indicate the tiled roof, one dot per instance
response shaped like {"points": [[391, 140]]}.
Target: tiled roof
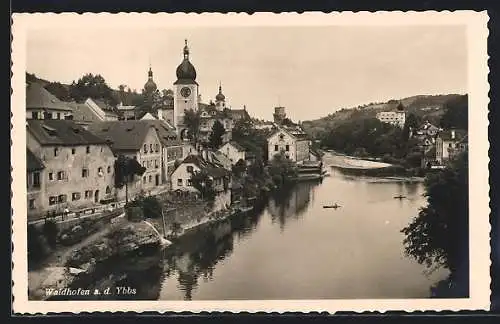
{"points": [[239, 114], [32, 162], [38, 97], [210, 168], [238, 146], [61, 132], [122, 135], [82, 112]]}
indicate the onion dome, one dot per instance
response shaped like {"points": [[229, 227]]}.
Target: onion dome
{"points": [[220, 96], [150, 85], [186, 73]]}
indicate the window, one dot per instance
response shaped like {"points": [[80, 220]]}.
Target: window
{"points": [[88, 194], [108, 190], [56, 151], [282, 136], [36, 179], [51, 176], [143, 164], [144, 179], [149, 163], [73, 150], [189, 183], [151, 148], [76, 196], [85, 173], [31, 204], [276, 148], [88, 149], [99, 171], [34, 115], [287, 148], [109, 169], [156, 164], [58, 115], [61, 199], [157, 147], [150, 178], [61, 175], [52, 200], [145, 148], [189, 168], [179, 182]]}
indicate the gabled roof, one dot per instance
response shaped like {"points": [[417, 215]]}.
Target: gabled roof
{"points": [[122, 135], [38, 97], [239, 114], [237, 146], [61, 132], [82, 112], [210, 168], [280, 130], [32, 162]]}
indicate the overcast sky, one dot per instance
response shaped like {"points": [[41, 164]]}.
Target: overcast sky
{"points": [[312, 71]]}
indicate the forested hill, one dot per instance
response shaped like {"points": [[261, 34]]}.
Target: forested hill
{"points": [[428, 107]]}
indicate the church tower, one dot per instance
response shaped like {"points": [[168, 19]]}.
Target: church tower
{"points": [[185, 92], [220, 100]]}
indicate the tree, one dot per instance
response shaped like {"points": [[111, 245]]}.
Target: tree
{"points": [[215, 138], [456, 113], [439, 235], [239, 168], [58, 90], [282, 170], [125, 170], [411, 123], [92, 86], [204, 184], [192, 120]]}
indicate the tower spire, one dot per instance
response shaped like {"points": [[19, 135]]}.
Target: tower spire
{"points": [[220, 87], [186, 50]]}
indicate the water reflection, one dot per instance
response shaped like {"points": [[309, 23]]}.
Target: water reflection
{"points": [[291, 202], [357, 250]]}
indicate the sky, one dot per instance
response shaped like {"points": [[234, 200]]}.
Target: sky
{"points": [[311, 70]]}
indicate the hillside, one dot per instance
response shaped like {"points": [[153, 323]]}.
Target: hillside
{"points": [[62, 91], [425, 106]]}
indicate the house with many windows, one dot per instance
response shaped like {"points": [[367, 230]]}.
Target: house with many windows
{"points": [[234, 151], [78, 166], [137, 140]]}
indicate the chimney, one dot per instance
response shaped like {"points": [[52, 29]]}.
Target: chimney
{"points": [[452, 134]]}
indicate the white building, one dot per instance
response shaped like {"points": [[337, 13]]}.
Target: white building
{"points": [[220, 177], [41, 104], [234, 151], [294, 147], [450, 143], [396, 118]]}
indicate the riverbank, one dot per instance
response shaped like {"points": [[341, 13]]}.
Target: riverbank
{"points": [[354, 166]]}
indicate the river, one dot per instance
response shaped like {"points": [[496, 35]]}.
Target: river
{"points": [[293, 248]]}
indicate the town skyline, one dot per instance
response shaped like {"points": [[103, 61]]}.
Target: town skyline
{"points": [[426, 60]]}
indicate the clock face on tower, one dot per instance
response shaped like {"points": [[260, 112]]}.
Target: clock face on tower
{"points": [[185, 92]]}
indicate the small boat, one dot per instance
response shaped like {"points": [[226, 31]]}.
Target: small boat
{"points": [[399, 197], [332, 206]]}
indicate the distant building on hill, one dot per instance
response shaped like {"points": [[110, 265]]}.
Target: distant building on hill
{"points": [[396, 118], [279, 114]]}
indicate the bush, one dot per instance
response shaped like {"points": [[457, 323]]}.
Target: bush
{"points": [[50, 230], [37, 244], [151, 207], [134, 213]]}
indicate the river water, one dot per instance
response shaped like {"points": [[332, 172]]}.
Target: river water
{"points": [[291, 247]]}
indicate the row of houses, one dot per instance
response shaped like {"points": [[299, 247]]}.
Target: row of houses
{"points": [[73, 168]]}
